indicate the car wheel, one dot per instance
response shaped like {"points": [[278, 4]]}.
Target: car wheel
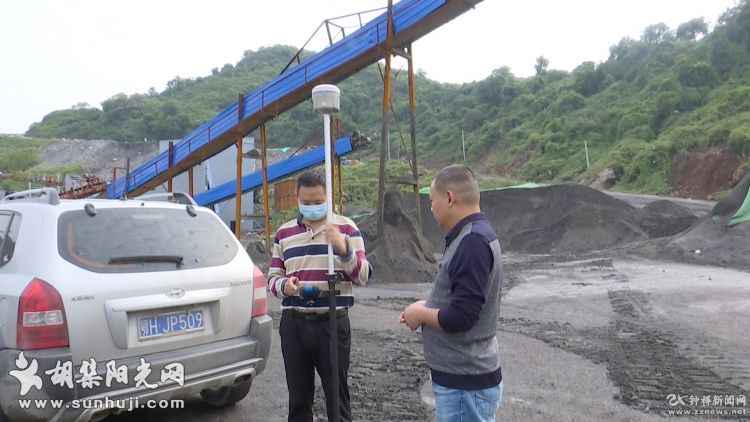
{"points": [[225, 396]]}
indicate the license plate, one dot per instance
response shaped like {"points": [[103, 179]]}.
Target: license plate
{"points": [[171, 324]]}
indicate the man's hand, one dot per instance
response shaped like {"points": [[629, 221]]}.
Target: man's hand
{"points": [[292, 286], [412, 315], [336, 239]]}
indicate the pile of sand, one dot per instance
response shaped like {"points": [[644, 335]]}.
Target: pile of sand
{"points": [[401, 254], [568, 218], [711, 240], [665, 218]]}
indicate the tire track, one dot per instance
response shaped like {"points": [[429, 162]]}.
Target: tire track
{"points": [[646, 359], [648, 362]]}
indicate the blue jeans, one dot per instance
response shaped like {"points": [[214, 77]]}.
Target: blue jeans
{"points": [[467, 405]]}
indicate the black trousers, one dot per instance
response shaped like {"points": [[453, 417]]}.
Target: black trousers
{"points": [[305, 345]]}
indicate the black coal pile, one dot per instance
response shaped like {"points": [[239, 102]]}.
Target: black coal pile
{"points": [[711, 240], [567, 218], [401, 254]]}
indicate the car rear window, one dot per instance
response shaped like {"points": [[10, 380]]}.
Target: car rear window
{"points": [[140, 235]]}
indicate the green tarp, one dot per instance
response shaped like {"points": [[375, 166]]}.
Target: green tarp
{"points": [[529, 185], [426, 190], [743, 214]]}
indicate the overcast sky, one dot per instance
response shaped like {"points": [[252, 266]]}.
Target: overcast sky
{"points": [[56, 53]]}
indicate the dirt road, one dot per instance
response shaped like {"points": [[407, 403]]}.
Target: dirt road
{"points": [[587, 340], [697, 206]]}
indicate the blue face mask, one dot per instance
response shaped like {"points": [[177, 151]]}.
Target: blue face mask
{"points": [[313, 212]]}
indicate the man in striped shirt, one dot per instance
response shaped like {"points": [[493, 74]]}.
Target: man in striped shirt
{"points": [[298, 275]]}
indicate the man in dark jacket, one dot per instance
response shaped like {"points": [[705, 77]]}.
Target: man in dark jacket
{"points": [[459, 320]]}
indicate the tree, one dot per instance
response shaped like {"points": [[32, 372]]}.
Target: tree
{"points": [[473, 119], [690, 30], [490, 90], [227, 69], [620, 50], [667, 103], [115, 103], [697, 74], [588, 79], [570, 101], [739, 140], [724, 55], [736, 23], [176, 84], [657, 33], [541, 65]]}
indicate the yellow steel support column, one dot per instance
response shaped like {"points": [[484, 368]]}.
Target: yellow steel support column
{"points": [[386, 107], [413, 129], [338, 195]]}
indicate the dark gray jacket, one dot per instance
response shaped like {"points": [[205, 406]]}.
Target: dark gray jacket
{"points": [[466, 359]]}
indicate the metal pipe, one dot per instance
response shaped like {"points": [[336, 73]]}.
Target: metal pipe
{"points": [[238, 183], [586, 147], [238, 192], [170, 163], [334, 158], [333, 323], [337, 169], [296, 55], [191, 189], [127, 178], [384, 130], [328, 29], [329, 181], [266, 189], [463, 144], [358, 14]]}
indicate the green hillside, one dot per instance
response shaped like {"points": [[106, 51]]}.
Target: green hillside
{"points": [[672, 90]]}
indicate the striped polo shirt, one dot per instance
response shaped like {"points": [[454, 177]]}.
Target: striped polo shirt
{"points": [[299, 251]]}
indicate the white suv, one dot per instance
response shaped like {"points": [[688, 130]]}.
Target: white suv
{"points": [[106, 301]]}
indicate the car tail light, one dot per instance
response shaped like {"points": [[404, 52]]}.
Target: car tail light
{"points": [[260, 298], [41, 318]]}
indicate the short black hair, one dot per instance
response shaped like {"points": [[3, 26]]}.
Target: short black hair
{"points": [[460, 180], [311, 179]]}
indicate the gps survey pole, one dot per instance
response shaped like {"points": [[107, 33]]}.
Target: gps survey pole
{"points": [[326, 101]]}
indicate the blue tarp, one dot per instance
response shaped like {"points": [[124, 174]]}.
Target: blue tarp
{"points": [[276, 171], [406, 13]]}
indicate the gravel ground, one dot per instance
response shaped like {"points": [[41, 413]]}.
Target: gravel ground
{"points": [[592, 339]]}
